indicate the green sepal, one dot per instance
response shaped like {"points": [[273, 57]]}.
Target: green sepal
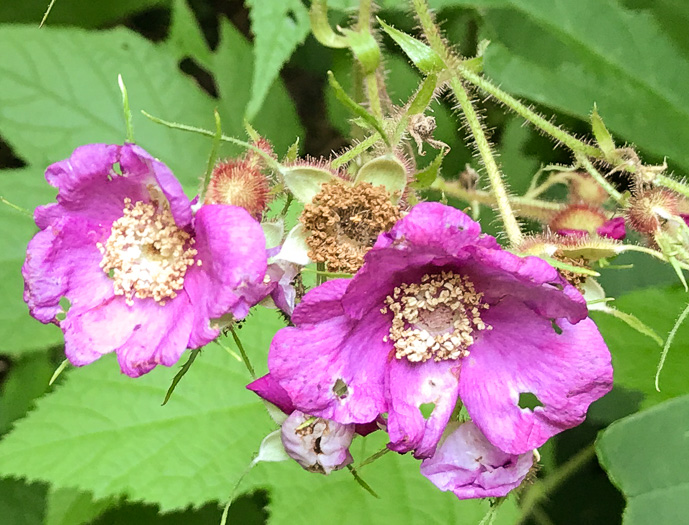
{"points": [[273, 232], [386, 171], [365, 49], [603, 136], [321, 27], [292, 152], [424, 95], [305, 181], [421, 55], [355, 108], [427, 176]]}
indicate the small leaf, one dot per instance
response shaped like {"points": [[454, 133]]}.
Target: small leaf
{"points": [[305, 181], [603, 136], [426, 177], [387, 171], [355, 108], [421, 55]]}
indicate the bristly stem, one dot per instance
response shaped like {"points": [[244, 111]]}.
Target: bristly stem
{"points": [[483, 146], [668, 342], [211, 157], [599, 178], [47, 12], [495, 178], [21, 210], [245, 357], [672, 184]]}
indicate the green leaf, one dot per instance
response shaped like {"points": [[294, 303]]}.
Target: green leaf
{"points": [[568, 55], [406, 497], [279, 27], [233, 64], [635, 358], [74, 12], [421, 55], [21, 503], [603, 137], [645, 455], [106, 433], [427, 175], [185, 37], [28, 379], [72, 507]]}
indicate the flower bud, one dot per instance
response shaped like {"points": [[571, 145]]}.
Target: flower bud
{"points": [[648, 210], [584, 189], [239, 182], [467, 464], [320, 445]]}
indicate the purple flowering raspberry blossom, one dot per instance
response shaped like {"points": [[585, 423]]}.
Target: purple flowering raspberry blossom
{"points": [[439, 311], [467, 464], [144, 277]]}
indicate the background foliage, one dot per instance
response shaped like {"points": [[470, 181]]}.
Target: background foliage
{"points": [[97, 447]]}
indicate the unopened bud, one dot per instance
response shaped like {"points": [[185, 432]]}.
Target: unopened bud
{"points": [[649, 210], [317, 444], [584, 189], [239, 182], [582, 219]]}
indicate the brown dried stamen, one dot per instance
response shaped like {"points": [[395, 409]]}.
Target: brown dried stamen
{"points": [[344, 223], [575, 279], [147, 255], [436, 318]]}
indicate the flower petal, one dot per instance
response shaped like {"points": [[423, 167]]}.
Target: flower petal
{"points": [[410, 385], [524, 354], [270, 390], [143, 335], [232, 251], [63, 261], [467, 464]]}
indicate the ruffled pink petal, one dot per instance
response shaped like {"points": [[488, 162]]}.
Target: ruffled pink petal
{"points": [[411, 385], [332, 371], [143, 335], [524, 354], [89, 185], [232, 251], [468, 465], [613, 229], [267, 388], [498, 274], [321, 303], [63, 261]]}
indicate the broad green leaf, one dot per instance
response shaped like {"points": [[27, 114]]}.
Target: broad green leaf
{"points": [[72, 507], [84, 13], [21, 503], [569, 55], [645, 455], [672, 16], [406, 497], [51, 102], [635, 358], [18, 331], [279, 27], [233, 64], [106, 433], [28, 379], [185, 37]]}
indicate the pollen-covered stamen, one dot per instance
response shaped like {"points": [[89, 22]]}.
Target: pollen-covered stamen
{"points": [[147, 255], [436, 318], [344, 222]]}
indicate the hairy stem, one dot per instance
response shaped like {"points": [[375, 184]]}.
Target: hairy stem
{"points": [[672, 184], [599, 178]]}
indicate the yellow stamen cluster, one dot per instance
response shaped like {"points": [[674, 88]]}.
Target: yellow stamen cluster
{"points": [[436, 318], [147, 255]]}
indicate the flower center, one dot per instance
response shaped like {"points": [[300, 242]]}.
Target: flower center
{"points": [[146, 254], [344, 223], [436, 318]]}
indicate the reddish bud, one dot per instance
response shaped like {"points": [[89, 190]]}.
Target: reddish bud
{"points": [[239, 182], [584, 189], [648, 210], [578, 217]]}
